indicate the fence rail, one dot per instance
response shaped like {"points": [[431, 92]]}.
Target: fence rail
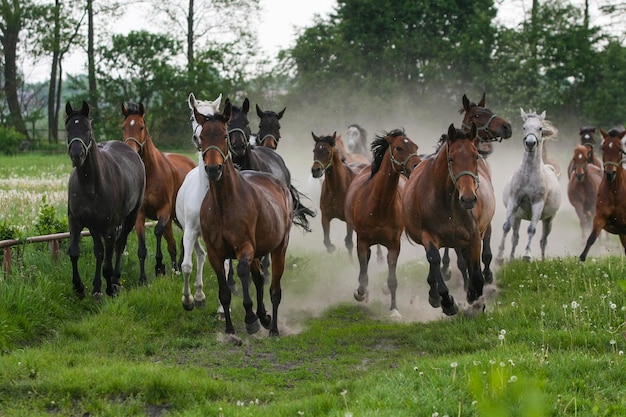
{"points": [[53, 239]]}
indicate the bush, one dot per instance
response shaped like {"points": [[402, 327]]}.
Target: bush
{"points": [[10, 140], [47, 221]]}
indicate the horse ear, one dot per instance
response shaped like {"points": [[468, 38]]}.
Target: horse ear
{"points": [[259, 112], [68, 108], [246, 106], [228, 110], [603, 133], [192, 102], [315, 138], [451, 132], [522, 113], [280, 113], [124, 110], [481, 103], [85, 109], [216, 102], [466, 103], [141, 109], [542, 116]]}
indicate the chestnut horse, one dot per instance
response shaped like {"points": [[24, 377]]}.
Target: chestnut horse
{"points": [[610, 205], [269, 127], [244, 215], [105, 193], [373, 206], [165, 173], [582, 188], [338, 175], [588, 139], [449, 202]]}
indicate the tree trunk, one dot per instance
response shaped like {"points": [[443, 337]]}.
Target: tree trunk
{"points": [[53, 133], [91, 61], [190, 39]]}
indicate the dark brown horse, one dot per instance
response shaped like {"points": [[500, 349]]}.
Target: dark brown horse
{"points": [[165, 173], [582, 188], [105, 192], [338, 176], [269, 127], [244, 215], [449, 202], [610, 203], [373, 207], [588, 139]]}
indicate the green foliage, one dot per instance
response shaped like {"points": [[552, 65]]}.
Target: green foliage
{"points": [[7, 231], [47, 220], [10, 140]]}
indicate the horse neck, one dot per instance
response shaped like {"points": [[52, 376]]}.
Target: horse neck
{"points": [[338, 171], [534, 159], [150, 154], [441, 168], [386, 179], [227, 188], [90, 172]]}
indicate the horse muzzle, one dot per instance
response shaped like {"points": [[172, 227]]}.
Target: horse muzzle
{"points": [[214, 172], [317, 172], [580, 176], [468, 202], [610, 175], [530, 142]]}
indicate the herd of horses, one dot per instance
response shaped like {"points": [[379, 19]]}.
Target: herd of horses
{"points": [[239, 200]]}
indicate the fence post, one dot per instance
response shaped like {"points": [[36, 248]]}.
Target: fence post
{"points": [[6, 264], [54, 249]]}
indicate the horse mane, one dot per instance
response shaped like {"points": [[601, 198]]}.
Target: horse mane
{"points": [[380, 146], [550, 132], [133, 108]]}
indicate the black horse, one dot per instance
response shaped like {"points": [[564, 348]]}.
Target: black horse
{"points": [[105, 192], [269, 127]]}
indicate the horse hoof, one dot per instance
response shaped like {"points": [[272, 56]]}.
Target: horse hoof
{"points": [[330, 248], [361, 297], [274, 333], [188, 307], [96, 297], [385, 289], [395, 314], [450, 310], [199, 303], [266, 321], [526, 258], [435, 302], [499, 261], [488, 277], [447, 274], [253, 327], [159, 270]]}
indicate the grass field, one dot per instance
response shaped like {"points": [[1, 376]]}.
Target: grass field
{"points": [[550, 342]]}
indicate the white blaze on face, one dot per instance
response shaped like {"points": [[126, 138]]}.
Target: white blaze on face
{"points": [[132, 123]]}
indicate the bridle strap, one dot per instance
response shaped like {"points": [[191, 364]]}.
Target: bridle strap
{"points": [[484, 128], [225, 157], [82, 142], [269, 136], [402, 165], [456, 177], [235, 130], [132, 139]]}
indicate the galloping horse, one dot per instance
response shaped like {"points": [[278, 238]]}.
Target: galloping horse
{"points": [[610, 206], [337, 178], [490, 128], [582, 188], [357, 141], [165, 172], [373, 206], [188, 202], [269, 127], [533, 192], [349, 157], [244, 215], [588, 139], [449, 202], [105, 193]]}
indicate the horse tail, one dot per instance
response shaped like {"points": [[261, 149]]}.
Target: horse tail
{"points": [[301, 212]]}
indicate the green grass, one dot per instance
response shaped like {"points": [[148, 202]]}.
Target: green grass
{"points": [[550, 343]]}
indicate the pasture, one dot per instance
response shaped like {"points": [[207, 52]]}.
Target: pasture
{"points": [[550, 343]]}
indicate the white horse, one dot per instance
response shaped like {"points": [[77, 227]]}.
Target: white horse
{"points": [[533, 192], [188, 202]]}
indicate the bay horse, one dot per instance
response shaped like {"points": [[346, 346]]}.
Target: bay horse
{"points": [[165, 173], [269, 127], [244, 215], [449, 201], [373, 207], [105, 193], [582, 187], [490, 128], [533, 192], [610, 206], [338, 176], [356, 141], [188, 202], [587, 138]]}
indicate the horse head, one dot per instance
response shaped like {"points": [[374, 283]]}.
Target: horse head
{"points": [[269, 127], [213, 141], [205, 107], [532, 129], [580, 161], [402, 152], [323, 154], [134, 129], [239, 129], [612, 153], [462, 160], [79, 134], [490, 127]]}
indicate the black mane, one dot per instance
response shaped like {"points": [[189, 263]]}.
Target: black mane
{"points": [[379, 147]]}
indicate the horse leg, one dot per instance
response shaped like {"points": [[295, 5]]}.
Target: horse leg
{"points": [[74, 253], [326, 229], [547, 227], [379, 254], [515, 236], [120, 245], [228, 268], [107, 268], [265, 268], [190, 239], [598, 224], [462, 264], [140, 230], [223, 291], [439, 294], [159, 230], [393, 252], [487, 256], [363, 253], [532, 227], [445, 264], [348, 241], [98, 251], [259, 282], [506, 228], [231, 277], [276, 292], [622, 239], [476, 280], [168, 234], [246, 257]]}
